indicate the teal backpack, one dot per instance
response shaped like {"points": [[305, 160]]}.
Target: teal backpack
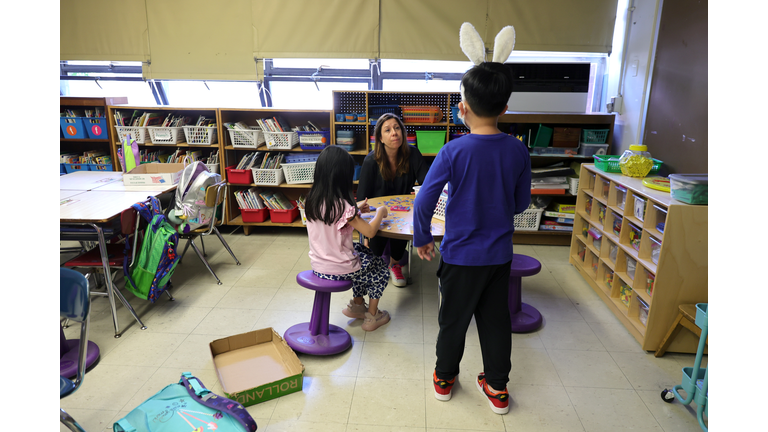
{"points": [[187, 406], [148, 277]]}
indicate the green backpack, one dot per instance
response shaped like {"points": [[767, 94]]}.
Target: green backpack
{"points": [[149, 276]]}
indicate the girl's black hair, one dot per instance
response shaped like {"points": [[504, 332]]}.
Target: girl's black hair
{"points": [[333, 184]]}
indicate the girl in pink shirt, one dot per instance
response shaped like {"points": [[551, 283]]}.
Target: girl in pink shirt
{"points": [[332, 215]]}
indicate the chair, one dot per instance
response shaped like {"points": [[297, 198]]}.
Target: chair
{"points": [[129, 227], [686, 317], [318, 336], [524, 317], [215, 196], [75, 305]]}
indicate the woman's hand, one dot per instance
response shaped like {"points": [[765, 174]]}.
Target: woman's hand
{"points": [[363, 206]]}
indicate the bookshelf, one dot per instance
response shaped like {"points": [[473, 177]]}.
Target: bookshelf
{"points": [[675, 258], [168, 147], [373, 103], [81, 145]]}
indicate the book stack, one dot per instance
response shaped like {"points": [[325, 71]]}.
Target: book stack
{"points": [[137, 119], [551, 180], [250, 160], [275, 124], [272, 162], [206, 122], [249, 198], [176, 121], [560, 218], [276, 200]]}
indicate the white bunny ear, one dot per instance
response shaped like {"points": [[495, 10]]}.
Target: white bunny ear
{"points": [[503, 44], [471, 43]]}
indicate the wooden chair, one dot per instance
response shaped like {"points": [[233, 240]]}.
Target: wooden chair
{"points": [[686, 317], [215, 196]]}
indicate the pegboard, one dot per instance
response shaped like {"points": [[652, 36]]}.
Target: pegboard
{"points": [[349, 102]]}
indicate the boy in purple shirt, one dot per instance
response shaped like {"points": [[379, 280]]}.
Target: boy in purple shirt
{"points": [[489, 182]]}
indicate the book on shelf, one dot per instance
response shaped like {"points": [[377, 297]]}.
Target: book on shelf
{"points": [[545, 227], [559, 214], [283, 201], [548, 191], [558, 221]]}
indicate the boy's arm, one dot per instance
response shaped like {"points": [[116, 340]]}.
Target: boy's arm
{"points": [[426, 199], [523, 187]]}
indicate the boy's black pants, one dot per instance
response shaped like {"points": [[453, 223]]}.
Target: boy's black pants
{"points": [[482, 291]]}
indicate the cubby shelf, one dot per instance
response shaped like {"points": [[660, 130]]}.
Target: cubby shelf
{"points": [[679, 271], [80, 145]]}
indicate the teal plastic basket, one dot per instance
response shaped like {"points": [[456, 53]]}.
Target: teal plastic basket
{"points": [[610, 164], [701, 315], [594, 136]]}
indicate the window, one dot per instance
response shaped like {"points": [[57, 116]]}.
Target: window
{"points": [[304, 95], [217, 94], [421, 85], [137, 92]]}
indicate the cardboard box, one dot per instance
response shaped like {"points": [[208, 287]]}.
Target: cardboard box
{"points": [[153, 173], [257, 366]]}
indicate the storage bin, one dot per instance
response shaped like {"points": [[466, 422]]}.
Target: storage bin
{"points": [[347, 147], [582, 252], [254, 215], [588, 206], [340, 117], [650, 278], [621, 196], [99, 167], [314, 140], [589, 150], [455, 115], [631, 266], [608, 277], [560, 151], [72, 127], [642, 312], [655, 250], [610, 164], [601, 213], [421, 114], [345, 141], [528, 220], [594, 136], [268, 177], [565, 137], [661, 217], [605, 187], [617, 220], [95, 127], [635, 234], [345, 134], [214, 168], [281, 140], [350, 117], [284, 216], [639, 208], [689, 188], [598, 243], [430, 141], [239, 176], [301, 172], [543, 136], [595, 262], [360, 117], [241, 138], [70, 168], [138, 134], [625, 294], [201, 135], [613, 252], [165, 135], [573, 185]]}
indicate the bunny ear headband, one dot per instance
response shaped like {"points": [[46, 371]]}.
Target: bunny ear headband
{"points": [[473, 47]]}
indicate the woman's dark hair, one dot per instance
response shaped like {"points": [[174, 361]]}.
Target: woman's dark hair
{"points": [[403, 153], [487, 88], [333, 182]]}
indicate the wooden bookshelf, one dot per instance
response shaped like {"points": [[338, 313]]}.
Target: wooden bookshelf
{"points": [[81, 145]]}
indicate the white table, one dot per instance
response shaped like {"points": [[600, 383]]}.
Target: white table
{"points": [[87, 180], [120, 187]]}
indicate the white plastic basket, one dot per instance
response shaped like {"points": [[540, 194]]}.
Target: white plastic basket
{"points": [[201, 135], [302, 172], [268, 177], [440, 208], [214, 168], [246, 138], [528, 220], [137, 133], [165, 135], [573, 183], [281, 140]]}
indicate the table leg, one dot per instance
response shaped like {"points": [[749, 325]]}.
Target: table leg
{"points": [[524, 317]]}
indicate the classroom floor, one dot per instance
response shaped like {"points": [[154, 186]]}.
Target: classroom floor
{"points": [[582, 371]]}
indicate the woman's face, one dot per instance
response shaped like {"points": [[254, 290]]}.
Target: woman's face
{"points": [[391, 134]]}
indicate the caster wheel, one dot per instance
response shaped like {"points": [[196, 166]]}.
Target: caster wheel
{"points": [[667, 396]]}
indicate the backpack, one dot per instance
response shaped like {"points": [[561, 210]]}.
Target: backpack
{"points": [[189, 211], [186, 406], [150, 274]]}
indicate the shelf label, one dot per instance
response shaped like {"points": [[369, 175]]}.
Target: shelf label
{"points": [[165, 134], [71, 130], [96, 129]]}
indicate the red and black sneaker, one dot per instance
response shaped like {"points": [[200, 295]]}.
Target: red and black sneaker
{"points": [[442, 387], [498, 400]]}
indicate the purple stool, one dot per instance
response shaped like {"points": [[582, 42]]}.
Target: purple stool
{"points": [[524, 317], [69, 352], [318, 336]]}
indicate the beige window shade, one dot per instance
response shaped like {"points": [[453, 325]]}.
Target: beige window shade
{"points": [[427, 29], [199, 39], [315, 29], [554, 25], [103, 30]]}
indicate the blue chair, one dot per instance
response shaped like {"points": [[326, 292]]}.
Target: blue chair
{"points": [[75, 306]]}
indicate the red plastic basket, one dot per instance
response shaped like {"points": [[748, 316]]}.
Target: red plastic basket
{"points": [[284, 216], [237, 176], [254, 215]]}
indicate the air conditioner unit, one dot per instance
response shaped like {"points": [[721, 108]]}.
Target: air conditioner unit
{"points": [[549, 87]]}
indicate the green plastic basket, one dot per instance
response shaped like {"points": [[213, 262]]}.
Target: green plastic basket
{"points": [[430, 141], [543, 136], [594, 136], [610, 164]]}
